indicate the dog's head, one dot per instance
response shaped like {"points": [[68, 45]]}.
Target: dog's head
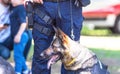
{"points": [[59, 49]]}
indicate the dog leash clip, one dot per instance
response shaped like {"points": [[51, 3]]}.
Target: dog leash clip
{"points": [[72, 35]]}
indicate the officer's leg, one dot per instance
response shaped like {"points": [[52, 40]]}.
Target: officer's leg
{"points": [[66, 25], [42, 35], [41, 42]]}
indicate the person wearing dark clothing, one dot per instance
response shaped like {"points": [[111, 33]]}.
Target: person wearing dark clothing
{"points": [[19, 35], [5, 33], [6, 41], [66, 16]]}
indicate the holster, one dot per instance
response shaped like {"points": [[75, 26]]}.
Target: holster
{"points": [[32, 10], [29, 11]]}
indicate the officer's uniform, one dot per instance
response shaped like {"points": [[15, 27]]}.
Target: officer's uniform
{"points": [[60, 13], [68, 17]]}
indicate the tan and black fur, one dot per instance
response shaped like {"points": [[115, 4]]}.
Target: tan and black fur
{"points": [[74, 55]]}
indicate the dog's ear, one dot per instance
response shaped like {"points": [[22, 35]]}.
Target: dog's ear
{"points": [[61, 34], [64, 38], [56, 30]]}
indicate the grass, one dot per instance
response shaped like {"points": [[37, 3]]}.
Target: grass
{"points": [[95, 32], [105, 53]]}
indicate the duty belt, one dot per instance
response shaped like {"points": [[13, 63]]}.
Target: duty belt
{"points": [[56, 0], [43, 29]]}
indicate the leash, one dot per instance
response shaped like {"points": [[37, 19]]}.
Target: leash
{"points": [[71, 18], [59, 14]]}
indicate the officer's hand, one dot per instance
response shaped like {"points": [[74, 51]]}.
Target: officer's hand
{"points": [[38, 1]]}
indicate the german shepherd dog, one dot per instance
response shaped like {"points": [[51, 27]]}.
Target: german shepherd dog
{"points": [[5, 67], [73, 55]]}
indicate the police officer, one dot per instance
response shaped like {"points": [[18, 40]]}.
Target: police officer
{"points": [[65, 15]]}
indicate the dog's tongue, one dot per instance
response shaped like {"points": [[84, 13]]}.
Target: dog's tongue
{"points": [[52, 60]]}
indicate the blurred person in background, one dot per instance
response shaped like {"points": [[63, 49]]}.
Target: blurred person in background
{"points": [[6, 41], [5, 33], [19, 35]]}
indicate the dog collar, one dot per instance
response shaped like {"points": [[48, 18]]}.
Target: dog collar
{"points": [[70, 63]]}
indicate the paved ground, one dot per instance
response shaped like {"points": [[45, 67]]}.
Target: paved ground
{"points": [[101, 42]]}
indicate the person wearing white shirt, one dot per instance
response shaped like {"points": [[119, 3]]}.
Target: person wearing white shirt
{"points": [[5, 32]]}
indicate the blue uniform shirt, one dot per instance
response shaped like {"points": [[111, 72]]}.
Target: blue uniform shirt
{"points": [[17, 17]]}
